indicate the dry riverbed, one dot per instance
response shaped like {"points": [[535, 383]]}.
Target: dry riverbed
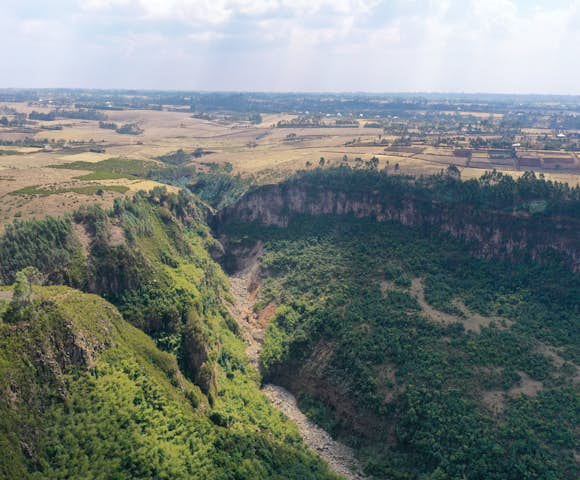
{"points": [[339, 457]]}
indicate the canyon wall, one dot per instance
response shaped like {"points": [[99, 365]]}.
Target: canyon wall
{"points": [[487, 233]]}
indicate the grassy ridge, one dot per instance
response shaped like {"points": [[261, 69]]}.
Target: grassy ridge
{"points": [[104, 175]]}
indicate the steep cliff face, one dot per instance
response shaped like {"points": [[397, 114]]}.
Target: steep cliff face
{"points": [[488, 233]]}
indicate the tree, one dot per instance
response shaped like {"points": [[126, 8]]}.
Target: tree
{"points": [[25, 279], [20, 306], [453, 172], [373, 163], [321, 162]]}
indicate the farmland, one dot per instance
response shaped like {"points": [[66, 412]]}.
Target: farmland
{"points": [[266, 139]]}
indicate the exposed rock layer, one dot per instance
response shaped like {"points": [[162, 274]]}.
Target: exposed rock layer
{"points": [[489, 233]]}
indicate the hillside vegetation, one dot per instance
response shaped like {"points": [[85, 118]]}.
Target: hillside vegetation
{"points": [[86, 394]]}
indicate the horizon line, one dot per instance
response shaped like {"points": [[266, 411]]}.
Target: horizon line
{"points": [[295, 92]]}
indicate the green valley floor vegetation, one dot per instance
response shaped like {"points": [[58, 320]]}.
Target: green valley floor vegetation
{"points": [[430, 363]]}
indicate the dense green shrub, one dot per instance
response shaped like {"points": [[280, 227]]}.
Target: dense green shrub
{"points": [[493, 190]]}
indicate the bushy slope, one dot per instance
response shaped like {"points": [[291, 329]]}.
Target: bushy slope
{"points": [[85, 394], [149, 256]]}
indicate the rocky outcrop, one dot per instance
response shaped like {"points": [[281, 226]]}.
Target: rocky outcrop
{"points": [[488, 233]]}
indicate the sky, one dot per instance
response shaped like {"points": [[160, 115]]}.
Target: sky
{"points": [[495, 46]]}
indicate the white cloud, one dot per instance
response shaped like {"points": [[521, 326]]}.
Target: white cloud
{"points": [[491, 14], [220, 11], [481, 45], [102, 4], [206, 36]]}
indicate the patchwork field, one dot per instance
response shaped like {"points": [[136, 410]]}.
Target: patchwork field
{"points": [[30, 186]]}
